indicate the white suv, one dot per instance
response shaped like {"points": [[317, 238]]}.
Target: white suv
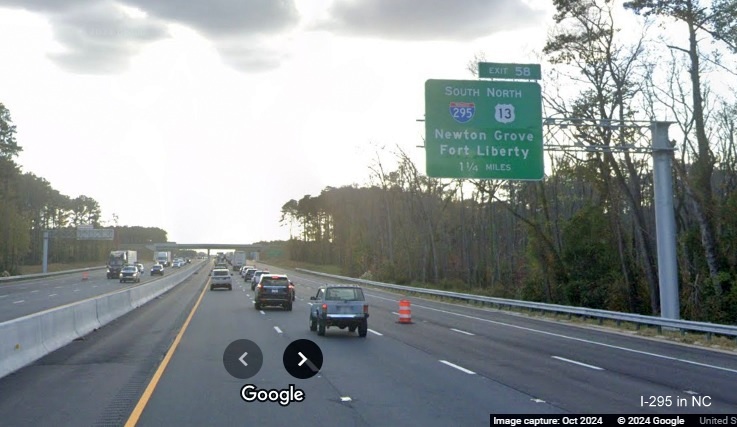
{"points": [[221, 278]]}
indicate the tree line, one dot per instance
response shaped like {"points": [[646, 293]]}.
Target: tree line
{"points": [[585, 234], [29, 205]]}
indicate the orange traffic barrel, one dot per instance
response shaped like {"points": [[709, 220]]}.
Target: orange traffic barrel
{"points": [[405, 313], [85, 275]]}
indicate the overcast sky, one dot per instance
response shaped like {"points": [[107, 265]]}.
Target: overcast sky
{"points": [[204, 118]]}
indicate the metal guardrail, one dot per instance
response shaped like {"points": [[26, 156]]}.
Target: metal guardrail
{"points": [[55, 273], [638, 319]]}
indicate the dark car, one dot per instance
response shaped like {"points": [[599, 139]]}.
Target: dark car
{"points": [[274, 290], [157, 269], [248, 274]]}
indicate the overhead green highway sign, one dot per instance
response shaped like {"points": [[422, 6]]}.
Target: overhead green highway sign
{"points": [[483, 129], [495, 70]]}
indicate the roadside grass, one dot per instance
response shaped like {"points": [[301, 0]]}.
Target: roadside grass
{"points": [[52, 268], [283, 263], [684, 337]]}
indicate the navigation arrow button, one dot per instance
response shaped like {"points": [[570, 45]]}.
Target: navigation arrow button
{"points": [[302, 359], [234, 359]]}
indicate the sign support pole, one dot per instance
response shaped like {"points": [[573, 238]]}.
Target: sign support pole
{"points": [[665, 224], [45, 260]]}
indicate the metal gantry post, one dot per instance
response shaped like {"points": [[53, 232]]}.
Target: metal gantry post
{"points": [[665, 224], [45, 261]]}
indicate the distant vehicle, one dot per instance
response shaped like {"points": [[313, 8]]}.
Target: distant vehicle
{"points": [[239, 260], [248, 274], [221, 278], [117, 260], [130, 273], [246, 268], [157, 269], [163, 258], [256, 277], [274, 289], [292, 290], [343, 306], [140, 268]]}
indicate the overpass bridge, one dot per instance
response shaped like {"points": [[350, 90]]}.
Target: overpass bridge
{"points": [[173, 246]]}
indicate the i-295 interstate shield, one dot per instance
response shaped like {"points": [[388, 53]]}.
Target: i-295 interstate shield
{"points": [[483, 129]]}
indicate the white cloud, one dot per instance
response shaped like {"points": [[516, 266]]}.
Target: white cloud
{"points": [[429, 19], [193, 119]]}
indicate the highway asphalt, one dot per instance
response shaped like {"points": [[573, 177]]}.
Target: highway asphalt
{"points": [[454, 365], [31, 296]]}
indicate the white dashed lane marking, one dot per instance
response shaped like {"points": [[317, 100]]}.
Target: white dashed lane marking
{"points": [[460, 368], [585, 365]]}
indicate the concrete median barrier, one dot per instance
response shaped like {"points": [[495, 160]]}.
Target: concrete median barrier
{"points": [[27, 339], [20, 343], [112, 306], [57, 327], [85, 317], [148, 291], [142, 294]]}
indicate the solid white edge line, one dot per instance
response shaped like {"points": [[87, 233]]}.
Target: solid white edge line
{"points": [[374, 332], [278, 331], [631, 350], [553, 334], [578, 363], [460, 368], [462, 332]]}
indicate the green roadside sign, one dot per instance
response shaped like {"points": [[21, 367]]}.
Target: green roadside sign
{"points": [[496, 70], [483, 129]]}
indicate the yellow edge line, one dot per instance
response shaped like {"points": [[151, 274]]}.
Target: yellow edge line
{"points": [[143, 401]]}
